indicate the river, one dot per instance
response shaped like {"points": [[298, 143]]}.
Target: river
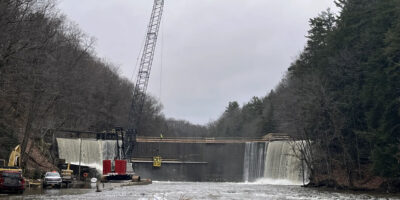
{"points": [[197, 190]]}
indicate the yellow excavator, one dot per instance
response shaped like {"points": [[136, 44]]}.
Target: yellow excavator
{"points": [[11, 178], [66, 175], [14, 162]]}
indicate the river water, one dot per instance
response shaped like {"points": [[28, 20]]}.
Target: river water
{"points": [[197, 190]]}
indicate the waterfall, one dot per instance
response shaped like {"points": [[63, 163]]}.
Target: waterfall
{"points": [[282, 165], [273, 162], [253, 167], [93, 152]]}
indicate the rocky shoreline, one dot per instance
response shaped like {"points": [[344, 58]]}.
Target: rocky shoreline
{"points": [[376, 184]]}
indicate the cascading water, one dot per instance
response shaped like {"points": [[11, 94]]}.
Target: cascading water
{"points": [[92, 152], [282, 164], [279, 163], [254, 160]]}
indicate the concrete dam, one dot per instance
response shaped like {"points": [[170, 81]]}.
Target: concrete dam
{"points": [[198, 159]]}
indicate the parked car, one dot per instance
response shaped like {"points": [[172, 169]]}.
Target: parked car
{"points": [[52, 178], [12, 181]]}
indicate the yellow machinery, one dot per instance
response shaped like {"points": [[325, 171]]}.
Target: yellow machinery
{"points": [[67, 171], [66, 174], [157, 157], [14, 162], [157, 161], [15, 157]]}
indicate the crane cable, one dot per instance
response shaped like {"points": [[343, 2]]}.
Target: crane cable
{"points": [[161, 73], [161, 57]]}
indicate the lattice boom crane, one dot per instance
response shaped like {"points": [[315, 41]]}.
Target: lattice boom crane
{"points": [[142, 79]]}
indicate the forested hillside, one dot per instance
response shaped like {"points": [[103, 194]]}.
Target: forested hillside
{"points": [[341, 96], [50, 78]]}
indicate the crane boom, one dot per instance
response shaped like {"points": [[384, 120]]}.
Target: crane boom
{"points": [[142, 79]]}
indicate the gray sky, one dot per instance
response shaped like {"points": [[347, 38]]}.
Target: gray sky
{"points": [[209, 52]]}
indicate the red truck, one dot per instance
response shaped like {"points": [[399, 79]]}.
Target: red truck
{"points": [[12, 181]]}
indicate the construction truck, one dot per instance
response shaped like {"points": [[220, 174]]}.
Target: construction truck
{"points": [[11, 178]]}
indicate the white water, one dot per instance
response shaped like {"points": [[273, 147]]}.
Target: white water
{"points": [[254, 160], [200, 190], [93, 152], [280, 164]]}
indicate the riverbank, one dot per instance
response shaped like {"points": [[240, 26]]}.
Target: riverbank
{"points": [[366, 183]]}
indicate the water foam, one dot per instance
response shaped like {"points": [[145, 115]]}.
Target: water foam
{"points": [[269, 181]]}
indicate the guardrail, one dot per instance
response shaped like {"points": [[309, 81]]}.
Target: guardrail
{"points": [[210, 140], [100, 135]]}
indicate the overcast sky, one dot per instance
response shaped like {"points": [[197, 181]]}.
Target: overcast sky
{"points": [[209, 52]]}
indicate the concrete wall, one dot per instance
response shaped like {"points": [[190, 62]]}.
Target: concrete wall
{"points": [[224, 162]]}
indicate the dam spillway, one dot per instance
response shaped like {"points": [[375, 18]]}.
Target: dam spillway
{"points": [[254, 160], [276, 162], [194, 160], [282, 163]]}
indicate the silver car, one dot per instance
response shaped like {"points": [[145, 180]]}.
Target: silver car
{"points": [[53, 179]]}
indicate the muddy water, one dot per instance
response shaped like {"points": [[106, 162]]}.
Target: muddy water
{"points": [[190, 190]]}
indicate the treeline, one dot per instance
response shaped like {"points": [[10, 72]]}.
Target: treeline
{"points": [[50, 79], [341, 97], [254, 119]]}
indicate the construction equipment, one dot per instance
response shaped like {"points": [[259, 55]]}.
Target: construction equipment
{"points": [[11, 178], [14, 161], [15, 157], [157, 161], [142, 78], [66, 175], [119, 169]]}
